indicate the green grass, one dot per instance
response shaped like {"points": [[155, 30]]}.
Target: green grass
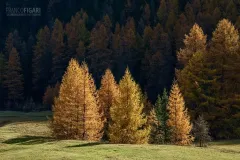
{"points": [[27, 136]]}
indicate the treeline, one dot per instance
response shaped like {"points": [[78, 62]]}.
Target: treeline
{"points": [[207, 65], [119, 113]]}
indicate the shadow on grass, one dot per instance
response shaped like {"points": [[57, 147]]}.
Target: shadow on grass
{"points": [[3, 123], [227, 142], [29, 140], [85, 145]]}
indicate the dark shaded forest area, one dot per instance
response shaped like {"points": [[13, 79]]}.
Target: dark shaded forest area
{"points": [[144, 35]]}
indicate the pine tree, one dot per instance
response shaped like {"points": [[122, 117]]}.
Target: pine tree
{"points": [[179, 120], [76, 111], [59, 57], [13, 78], [41, 63], [201, 131], [194, 42], [162, 115], [128, 122], [108, 94]]}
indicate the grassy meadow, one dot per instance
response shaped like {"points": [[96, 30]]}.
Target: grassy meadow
{"points": [[27, 136]]}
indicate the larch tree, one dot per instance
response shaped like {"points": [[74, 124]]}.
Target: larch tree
{"points": [[13, 78], [92, 115], [201, 131], [179, 120], [162, 12], [2, 71], [77, 112], [194, 42], [127, 120], [66, 108], [108, 94], [99, 55], [50, 94], [76, 31], [9, 44], [41, 63], [224, 59], [59, 57]]}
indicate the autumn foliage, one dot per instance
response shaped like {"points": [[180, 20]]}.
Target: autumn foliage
{"points": [[179, 120]]}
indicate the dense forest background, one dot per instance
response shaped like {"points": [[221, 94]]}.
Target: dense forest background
{"points": [[144, 35]]}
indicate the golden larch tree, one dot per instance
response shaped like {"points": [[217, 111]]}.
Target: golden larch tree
{"points": [[108, 93], [194, 42], [67, 104], [76, 110], [179, 120], [92, 121], [127, 121]]}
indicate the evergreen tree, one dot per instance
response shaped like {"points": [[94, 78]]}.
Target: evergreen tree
{"points": [[128, 122], [13, 78], [194, 42], [108, 93], [179, 120], [162, 115], [201, 131]]}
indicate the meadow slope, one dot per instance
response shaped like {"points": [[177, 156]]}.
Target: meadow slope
{"points": [[27, 136]]}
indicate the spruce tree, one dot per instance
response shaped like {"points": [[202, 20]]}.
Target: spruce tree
{"points": [[179, 120], [127, 125], [162, 115]]}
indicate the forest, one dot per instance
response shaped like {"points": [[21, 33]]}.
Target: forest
{"points": [[166, 53]]}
